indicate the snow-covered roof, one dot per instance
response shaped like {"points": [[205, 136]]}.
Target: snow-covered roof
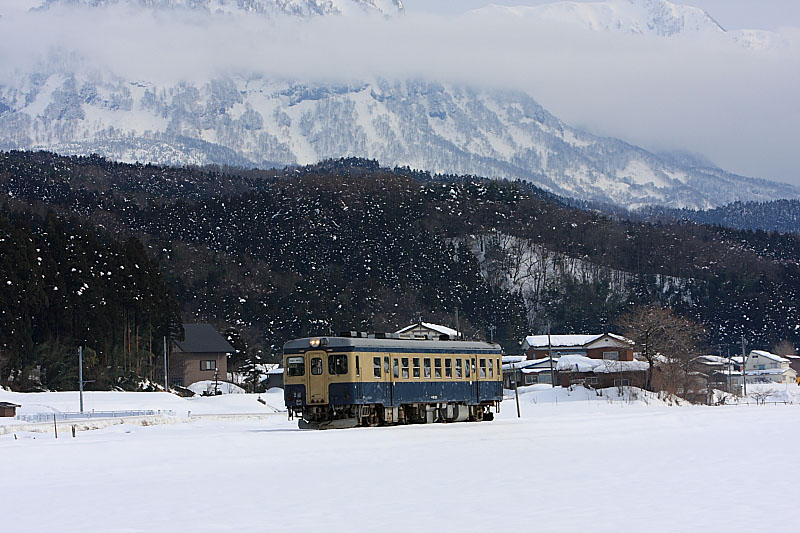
{"points": [[514, 359], [442, 330], [579, 363], [540, 341], [528, 363], [276, 370], [771, 356], [571, 341]]}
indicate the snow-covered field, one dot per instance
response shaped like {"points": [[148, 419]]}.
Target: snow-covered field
{"points": [[582, 462]]}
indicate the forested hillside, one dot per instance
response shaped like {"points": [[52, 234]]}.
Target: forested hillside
{"points": [[778, 215], [348, 245]]}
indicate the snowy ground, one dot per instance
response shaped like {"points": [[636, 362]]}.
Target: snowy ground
{"points": [[583, 463]]}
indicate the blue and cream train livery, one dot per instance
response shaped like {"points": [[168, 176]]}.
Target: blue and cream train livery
{"points": [[367, 381]]}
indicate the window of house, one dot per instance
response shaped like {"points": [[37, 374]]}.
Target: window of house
{"points": [[428, 367], [483, 368], [316, 366], [621, 383], [448, 368], [416, 367], [437, 368], [405, 368], [208, 365], [458, 368], [177, 382], [376, 367], [396, 368], [528, 379], [611, 356], [337, 364], [295, 366]]}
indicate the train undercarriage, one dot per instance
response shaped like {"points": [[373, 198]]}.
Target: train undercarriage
{"points": [[348, 416]]}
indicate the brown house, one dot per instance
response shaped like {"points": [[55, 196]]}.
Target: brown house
{"points": [[606, 346], [201, 355], [8, 409]]}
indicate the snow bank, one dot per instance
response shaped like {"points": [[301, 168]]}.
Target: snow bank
{"points": [[208, 387], [544, 394], [580, 363]]}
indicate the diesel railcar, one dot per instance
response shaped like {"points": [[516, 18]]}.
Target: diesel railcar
{"points": [[336, 382]]}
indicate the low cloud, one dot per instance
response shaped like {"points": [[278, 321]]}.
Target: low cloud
{"points": [[706, 95]]}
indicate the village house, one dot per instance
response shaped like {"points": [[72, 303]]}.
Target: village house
{"points": [[765, 367], [8, 409], [606, 346], [426, 330], [201, 355], [601, 373], [528, 372]]}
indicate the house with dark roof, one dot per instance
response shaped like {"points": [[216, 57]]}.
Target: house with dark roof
{"points": [[201, 355]]}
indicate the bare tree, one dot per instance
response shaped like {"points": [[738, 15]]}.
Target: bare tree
{"points": [[784, 347], [667, 341]]}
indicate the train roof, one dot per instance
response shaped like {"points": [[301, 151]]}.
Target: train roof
{"points": [[392, 345]]}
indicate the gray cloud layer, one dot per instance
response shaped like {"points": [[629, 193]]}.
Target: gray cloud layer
{"points": [[705, 95]]}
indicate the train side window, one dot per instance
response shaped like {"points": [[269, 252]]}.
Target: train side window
{"points": [[499, 367], [337, 364], [458, 368], [448, 368], [437, 368], [416, 366], [376, 367], [316, 366], [386, 365], [427, 367], [483, 368], [396, 368], [467, 372], [296, 366], [405, 367]]}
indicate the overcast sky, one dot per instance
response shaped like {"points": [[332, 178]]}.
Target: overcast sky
{"points": [[731, 14]]}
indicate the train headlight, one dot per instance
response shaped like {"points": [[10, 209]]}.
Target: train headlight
{"points": [[314, 343]]}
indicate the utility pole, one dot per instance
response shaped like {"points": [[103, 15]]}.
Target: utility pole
{"points": [[166, 387], [550, 352], [80, 375], [516, 391], [458, 332], [729, 369], [491, 333], [744, 368]]}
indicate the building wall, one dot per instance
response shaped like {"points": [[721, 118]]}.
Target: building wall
{"points": [[6, 412], [604, 381], [188, 365]]}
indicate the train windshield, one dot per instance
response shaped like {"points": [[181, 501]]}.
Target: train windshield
{"points": [[295, 366]]}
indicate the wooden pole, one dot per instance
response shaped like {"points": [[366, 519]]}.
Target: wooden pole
{"points": [[55, 426], [550, 351], [516, 391]]}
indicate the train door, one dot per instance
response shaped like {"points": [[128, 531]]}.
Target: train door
{"points": [[317, 378], [476, 393]]}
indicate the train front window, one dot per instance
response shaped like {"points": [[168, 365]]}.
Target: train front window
{"points": [[405, 367], [376, 367], [491, 369], [428, 367], [416, 367], [483, 368], [295, 366], [316, 366], [448, 368], [466, 369], [458, 368], [396, 368], [386, 365], [337, 364], [437, 368]]}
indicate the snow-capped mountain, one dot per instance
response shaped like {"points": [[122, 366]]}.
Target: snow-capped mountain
{"points": [[641, 17], [302, 8], [441, 128], [257, 120]]}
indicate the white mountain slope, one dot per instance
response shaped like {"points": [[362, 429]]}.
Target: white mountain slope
{"points": [[302, 8], [430, 126], [643, 17]]}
